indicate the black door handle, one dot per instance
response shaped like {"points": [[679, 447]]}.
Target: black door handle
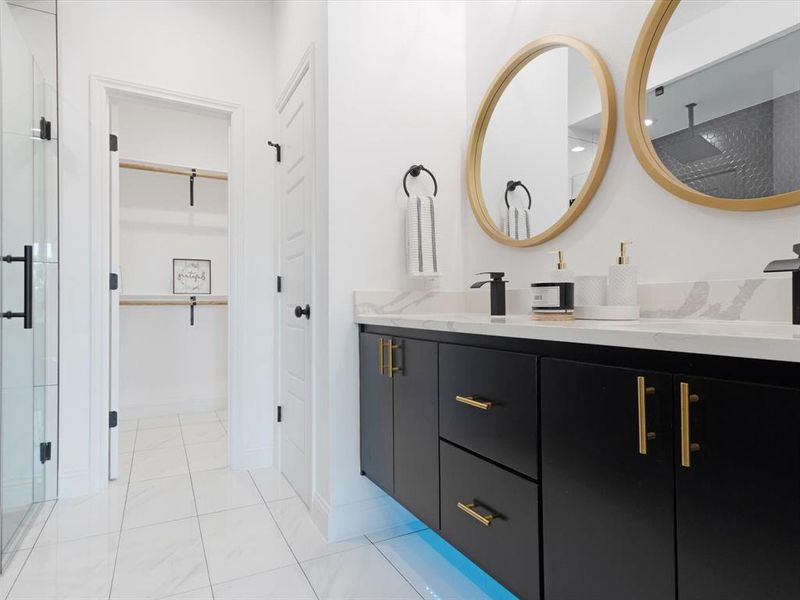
{"points": [[299, 311], [27, 312]]}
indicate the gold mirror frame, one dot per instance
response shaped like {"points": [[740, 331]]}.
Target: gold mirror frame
{"points": [[490, 99], [635, 111]]}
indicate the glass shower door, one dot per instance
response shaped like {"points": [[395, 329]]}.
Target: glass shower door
{"points": [[23, 171]]}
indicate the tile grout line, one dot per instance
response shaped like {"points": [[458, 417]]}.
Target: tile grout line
{"points": [[196, 511], [288, 545], [124, 508]]}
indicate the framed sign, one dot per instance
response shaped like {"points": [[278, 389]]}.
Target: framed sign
{"points": [[191, 276]]}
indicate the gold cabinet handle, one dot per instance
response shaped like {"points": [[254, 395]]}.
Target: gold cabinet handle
{"points": [[482, 519], [380, 360], [472, 401], [391, 368], [642, 392], [687, 447]]}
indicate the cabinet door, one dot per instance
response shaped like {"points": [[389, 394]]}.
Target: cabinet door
{"points": [[607, 509], [416, 429], [738, 501], [377, 431]]}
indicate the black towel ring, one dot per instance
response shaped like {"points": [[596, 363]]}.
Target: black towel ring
{"points": [[512, 185], [414, 171]]}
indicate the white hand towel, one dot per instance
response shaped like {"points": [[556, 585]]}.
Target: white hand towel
{"points": [[516, 223], [421, 237]]}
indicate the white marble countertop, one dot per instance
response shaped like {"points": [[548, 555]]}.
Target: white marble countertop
{"points": [[745, 339]]}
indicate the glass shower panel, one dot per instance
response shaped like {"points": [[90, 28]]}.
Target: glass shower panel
{"points": [[27, 180]]}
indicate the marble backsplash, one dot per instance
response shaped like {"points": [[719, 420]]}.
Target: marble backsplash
{"points": [[757, 299]]}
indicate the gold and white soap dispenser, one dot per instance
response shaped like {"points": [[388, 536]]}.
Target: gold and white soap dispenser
{"points": [[623, 284], [561, 273]]}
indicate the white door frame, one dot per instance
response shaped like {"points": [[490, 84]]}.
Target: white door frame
{"points": [[304, 68], [102, 91]]}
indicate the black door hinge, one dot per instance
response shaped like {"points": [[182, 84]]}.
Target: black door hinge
{"points": [[277, 150], [45, 451], [112, 419], [280, 414], [45, 129], [113, 281], [113, 143], [280, 284]]}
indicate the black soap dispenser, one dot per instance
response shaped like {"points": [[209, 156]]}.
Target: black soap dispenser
{"points": [[497, 291]]}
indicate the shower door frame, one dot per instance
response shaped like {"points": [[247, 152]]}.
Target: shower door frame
{"points": [[103, 91]]}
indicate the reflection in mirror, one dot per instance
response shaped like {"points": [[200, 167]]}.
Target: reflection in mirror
{"points": [[723, 97], [543, 134]]}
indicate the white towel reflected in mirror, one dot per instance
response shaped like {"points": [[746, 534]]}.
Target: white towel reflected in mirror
{"points": [[516, 223]]}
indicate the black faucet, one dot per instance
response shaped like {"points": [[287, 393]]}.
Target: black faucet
{"points": [[793, 265], [497, 291]]}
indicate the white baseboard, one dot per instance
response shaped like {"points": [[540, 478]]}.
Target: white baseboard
{"points": [[255, 458], [320, 511], [74, 483]]}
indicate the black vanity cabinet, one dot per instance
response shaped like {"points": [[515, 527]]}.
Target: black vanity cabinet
{"points": [[376, 413], [738, 499], [607, 481], [572, 471], [399, 421], [711, 509]]}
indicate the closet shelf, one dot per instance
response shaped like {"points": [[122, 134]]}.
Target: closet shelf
{"points": [[171, 300], [171, 169]]}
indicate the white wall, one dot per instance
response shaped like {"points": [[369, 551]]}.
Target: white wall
{"points": [[212, 49], [152, 132], [673, 240], [396, 77], [166, 365]]}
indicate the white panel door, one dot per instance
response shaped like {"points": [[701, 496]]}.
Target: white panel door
{"points": [[295, 198], [113, 298]]}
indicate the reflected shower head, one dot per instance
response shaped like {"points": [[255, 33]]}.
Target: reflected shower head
{"points": [[693, 148]]}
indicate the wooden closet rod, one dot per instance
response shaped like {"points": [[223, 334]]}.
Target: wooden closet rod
{"points": [[127, 164], [173, 303]]}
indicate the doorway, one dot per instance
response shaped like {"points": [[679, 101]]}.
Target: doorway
{"points": [[193, 191], [169, 264]]}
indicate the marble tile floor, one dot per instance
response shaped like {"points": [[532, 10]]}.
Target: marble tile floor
{"points": [[179, 524]]}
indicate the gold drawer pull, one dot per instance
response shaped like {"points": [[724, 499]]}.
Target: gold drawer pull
{"points": [[687, 447], [471, 401], [470, 510], [642, 392], [380, 360]]}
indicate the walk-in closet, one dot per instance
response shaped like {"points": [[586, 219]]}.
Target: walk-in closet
{"points": [[169, 259]]}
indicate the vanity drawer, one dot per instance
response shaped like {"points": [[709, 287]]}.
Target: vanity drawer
{"points": [[487, 403], [508, 546]]}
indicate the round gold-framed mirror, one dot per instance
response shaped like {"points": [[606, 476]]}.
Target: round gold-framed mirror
{"points": [[541, 141], [712, 102]]}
